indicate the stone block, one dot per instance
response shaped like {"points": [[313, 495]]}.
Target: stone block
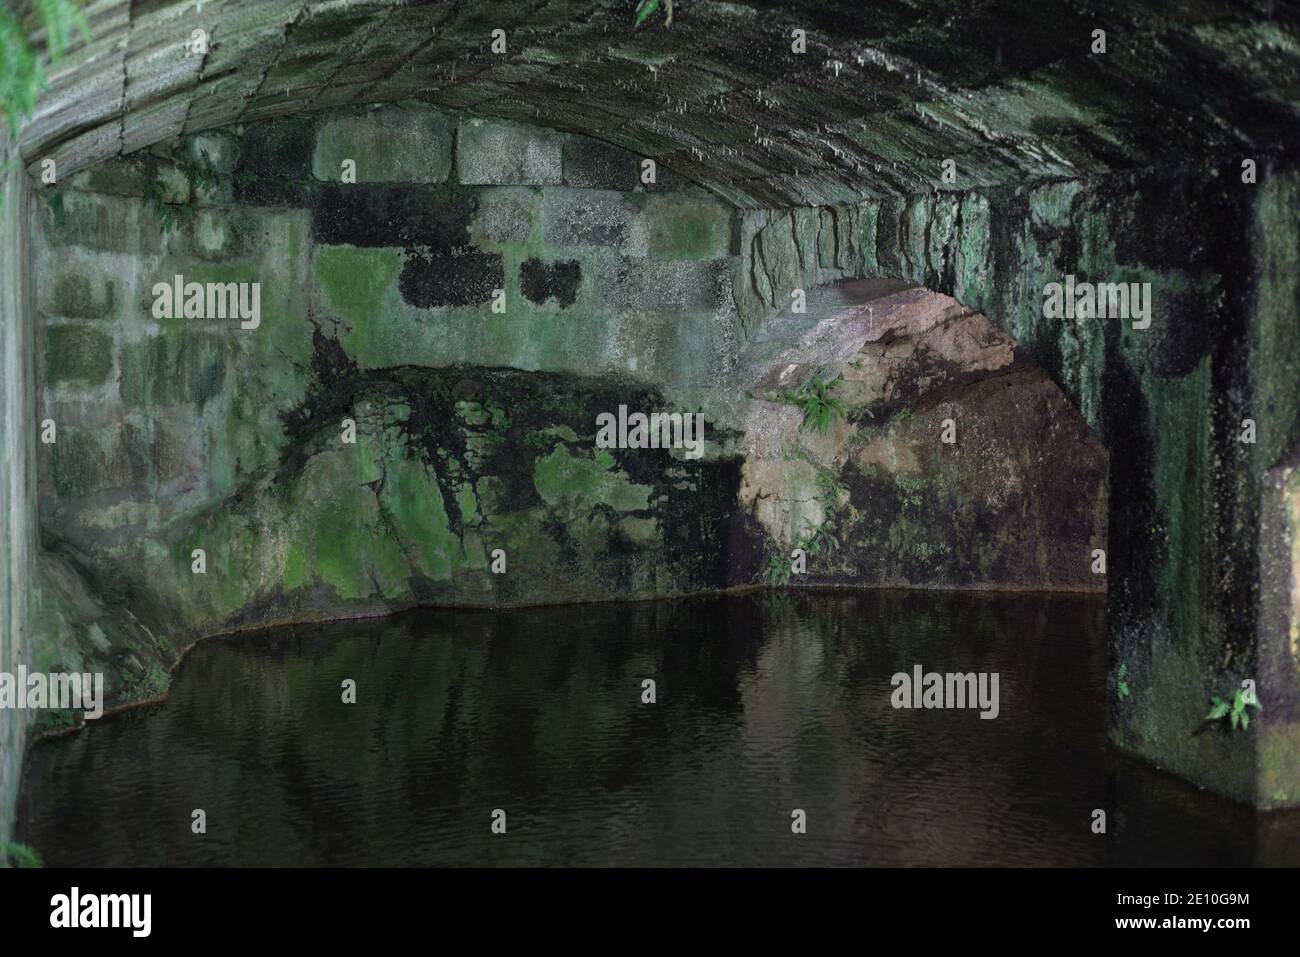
{"points": [[84, 461], [508, 154], [391, 145], [438, 279], [592, 164], [117, 177], [372, 215], [214, 234], [77, 354], [175, 368], [541, 281], [169, 450], [93, 221], [584, 217], [688, 227], [84, 294], [274, 163], [505, 215], [173, 184], [650, 285]]}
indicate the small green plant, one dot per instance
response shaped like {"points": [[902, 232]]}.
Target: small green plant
{"points": [[170, 215], [911, 491], [1121, 680], [1235, 710], [19, 855], [646, 8], [821, 409], [823, 540], [202, 173], [57, 719], [152, 684], [829, 487], [777, 571]]}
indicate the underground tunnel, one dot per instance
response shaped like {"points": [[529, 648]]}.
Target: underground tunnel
{"points": [[549, 409]]}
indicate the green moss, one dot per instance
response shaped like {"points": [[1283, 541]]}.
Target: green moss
{"points": [[295, 566], [355, 285], [467, 501], [77, 354], [329, 511], [1276, 344], [574, 485], [563, 432], [153, 683], [388, 564], [974, 286], [1181, 428], [683, 227], [414, 501], [182, 366], [74, 298]]}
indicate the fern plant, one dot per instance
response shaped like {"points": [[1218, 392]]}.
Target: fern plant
{"points": [[824, 539], [1235, 710], [821, 408], [829, 487], [202, 173], [777, 571]]}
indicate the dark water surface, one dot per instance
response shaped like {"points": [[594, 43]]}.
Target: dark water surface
{"points": [[766, 703]]}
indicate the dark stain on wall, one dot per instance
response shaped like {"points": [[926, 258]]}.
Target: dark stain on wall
{"points": [[464, 278], [540, 281], [367, 215], [274, 163], [1136, 531], [694, 502]]}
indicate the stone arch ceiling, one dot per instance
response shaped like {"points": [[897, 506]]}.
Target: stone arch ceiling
{"points": [[884, 93]]}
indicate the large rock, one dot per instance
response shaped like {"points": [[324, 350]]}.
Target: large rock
{"points": [[1018, 500]]}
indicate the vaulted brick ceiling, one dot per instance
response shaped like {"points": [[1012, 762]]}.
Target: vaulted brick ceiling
{"points": [[885, 92]]}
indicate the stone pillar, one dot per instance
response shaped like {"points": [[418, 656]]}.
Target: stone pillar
{"points": [[1200, 547], [1276, 410], [18, 539]]}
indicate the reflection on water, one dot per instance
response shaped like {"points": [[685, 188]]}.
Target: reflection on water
{"points": [[766, 703]]}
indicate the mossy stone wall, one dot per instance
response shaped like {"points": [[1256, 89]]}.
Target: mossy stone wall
{"points": [[169, 427], [473, 478]]}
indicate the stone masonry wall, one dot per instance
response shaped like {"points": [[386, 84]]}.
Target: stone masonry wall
{"points": [[375, 291], [474, 428]]}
